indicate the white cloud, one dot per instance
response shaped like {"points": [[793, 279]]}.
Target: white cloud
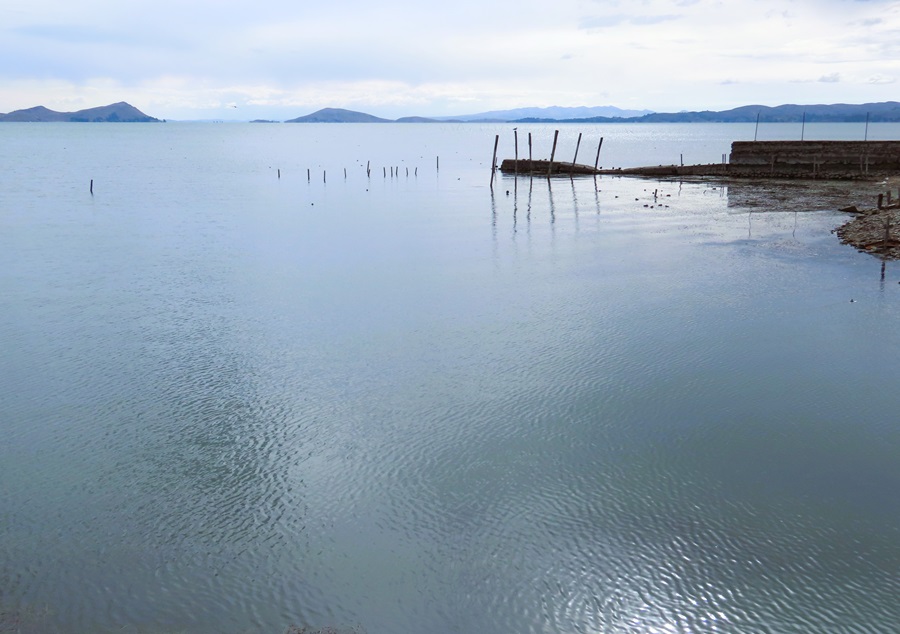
{"points": [[399, 57]]}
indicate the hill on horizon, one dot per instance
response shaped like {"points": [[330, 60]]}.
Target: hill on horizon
{"points": [[121, 112], [338, 115]]}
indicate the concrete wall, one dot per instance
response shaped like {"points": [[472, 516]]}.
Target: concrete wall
{"points": [[816, 157]]}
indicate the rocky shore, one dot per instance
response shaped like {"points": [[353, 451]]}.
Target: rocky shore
{"points": [[874, 231]]}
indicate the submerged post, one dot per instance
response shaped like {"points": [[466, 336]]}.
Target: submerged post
{"points": [[529, 151], [494, 160], [92, 187], [597, 160], [552, 152]]}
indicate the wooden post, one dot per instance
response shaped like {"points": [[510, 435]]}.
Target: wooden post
{"points": [[323, 176], [597, 160], [880, 201], [307, 175], [345, 173], [803, 128], [516, 141], [437, 163], [552, 153], [889, 198], [577, 145], [494, 160], [529, 152], [279, 173], [681, 158], [755, 132], [384, 171], [92, 187], [368, 171]]}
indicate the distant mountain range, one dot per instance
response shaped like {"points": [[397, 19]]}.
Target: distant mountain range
{"points": [[887, 111], [553, 113], [883, 111], [114, 113]]}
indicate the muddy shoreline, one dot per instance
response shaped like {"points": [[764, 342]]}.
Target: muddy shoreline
{"points": [[867, 228]]}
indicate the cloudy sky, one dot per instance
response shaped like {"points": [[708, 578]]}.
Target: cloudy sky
{"points": [[234, 59]]}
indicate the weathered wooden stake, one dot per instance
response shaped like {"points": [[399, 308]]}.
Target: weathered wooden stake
{"points": [[384, 171], [494, 160], [577, 145], [552, 153], [597, 160], [516, 141], [682, 159], [92, 187], [307, 174], [279, 173], [880, 201], [323, 176], [345, 173], [368, 171], [529, 151], [889, 198], [437, 163]]}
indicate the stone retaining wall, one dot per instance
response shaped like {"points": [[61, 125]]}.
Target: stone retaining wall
{"points": [[815, 158]]}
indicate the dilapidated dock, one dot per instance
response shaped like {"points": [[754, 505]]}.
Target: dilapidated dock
{"points": [[545, 168]]}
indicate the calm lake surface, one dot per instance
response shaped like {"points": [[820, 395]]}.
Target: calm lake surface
{"points": [[237, 402]]}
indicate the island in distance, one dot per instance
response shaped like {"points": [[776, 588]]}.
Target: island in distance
{"points": [[114, 113]]}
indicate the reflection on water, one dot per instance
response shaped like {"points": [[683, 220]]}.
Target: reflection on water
{"points": [[242, 402]]}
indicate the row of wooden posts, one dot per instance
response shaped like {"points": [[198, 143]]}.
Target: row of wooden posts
{"points": [[395, 171], [552, 152]]}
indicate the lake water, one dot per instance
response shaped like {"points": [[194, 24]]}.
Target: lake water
{"points": [[236, 402]]}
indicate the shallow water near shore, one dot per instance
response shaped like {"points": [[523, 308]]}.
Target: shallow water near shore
{"points": [[234, 401]]}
